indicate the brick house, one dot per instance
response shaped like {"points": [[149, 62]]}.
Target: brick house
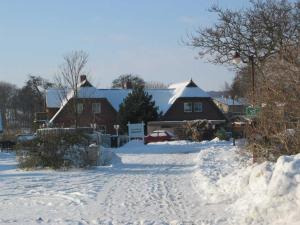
{"points": [[178, 103]]}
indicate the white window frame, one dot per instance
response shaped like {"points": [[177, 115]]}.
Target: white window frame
{"points": [[198, 109], [79, 108], [185, 107], [98, 107]]}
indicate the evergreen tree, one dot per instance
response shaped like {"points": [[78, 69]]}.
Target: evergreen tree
{"points": [[137, 107]]}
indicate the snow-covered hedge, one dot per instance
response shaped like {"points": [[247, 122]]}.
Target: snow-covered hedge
{"points": [[54, 151]]}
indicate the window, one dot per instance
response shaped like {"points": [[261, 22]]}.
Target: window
{"points": [[96, 107], [154, 134], [188, 107], [79, 108], [162, 134], [197, 107]]}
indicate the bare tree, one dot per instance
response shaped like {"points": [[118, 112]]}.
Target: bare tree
{"points": [[128, 81], [19, 105], [239, 87], [267, 35], [155, 85], [258, 32], [7, 91], [69, 79], [277, 130]]}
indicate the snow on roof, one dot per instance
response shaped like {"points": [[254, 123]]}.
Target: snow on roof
{"points": [[186, 89], [114, 96], [54, 97], [178, 85], [163, 98], [229, 101]]}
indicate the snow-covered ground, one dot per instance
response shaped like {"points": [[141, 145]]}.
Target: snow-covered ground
{"points": [[163, 183]]}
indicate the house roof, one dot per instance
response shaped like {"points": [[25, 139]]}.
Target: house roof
{"points": [[230, 101], [163, 98], [186, 89], [54, 97]]}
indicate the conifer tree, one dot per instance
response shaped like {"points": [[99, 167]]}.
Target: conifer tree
{"points": [[137, 107]]}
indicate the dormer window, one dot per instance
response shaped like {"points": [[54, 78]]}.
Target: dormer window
{"points": [[188, 107]]}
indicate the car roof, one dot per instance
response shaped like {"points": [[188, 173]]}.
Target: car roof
{"points": [[159, 131], [163, 131]]}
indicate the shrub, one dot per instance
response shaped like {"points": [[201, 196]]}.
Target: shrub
{"points": [[53, 151], [270, 147], [221, 134], [196, 130], [277, 96]]}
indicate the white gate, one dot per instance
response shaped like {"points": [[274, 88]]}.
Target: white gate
{"points": [[136, 130]]}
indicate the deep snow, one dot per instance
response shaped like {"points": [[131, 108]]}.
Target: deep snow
{"points": [[164, 183]]}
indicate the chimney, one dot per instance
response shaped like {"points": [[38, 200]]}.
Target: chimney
{"points": [[82, 78]]}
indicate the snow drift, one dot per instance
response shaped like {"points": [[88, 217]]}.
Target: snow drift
{"points": [[267, 193]]}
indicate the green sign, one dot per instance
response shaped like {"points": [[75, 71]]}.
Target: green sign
{"points": [[252, 111]]}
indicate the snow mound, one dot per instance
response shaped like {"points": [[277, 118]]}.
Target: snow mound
{"points": [[272, 192], [7, 162], [267, 193], [109, 157]]}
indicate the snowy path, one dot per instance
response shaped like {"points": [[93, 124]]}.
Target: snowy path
{"points": [[146, 188], [156, 187]]}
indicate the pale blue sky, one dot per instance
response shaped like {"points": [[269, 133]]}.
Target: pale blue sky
{"points": [[133, 36]]}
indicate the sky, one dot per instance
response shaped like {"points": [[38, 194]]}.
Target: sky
{"points": [[142, 37]]}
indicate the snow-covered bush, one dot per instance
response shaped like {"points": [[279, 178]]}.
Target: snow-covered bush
{"points": [[53, 151], [196, 130]]}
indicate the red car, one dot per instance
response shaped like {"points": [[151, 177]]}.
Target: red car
{"points": [[158, 136]]}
